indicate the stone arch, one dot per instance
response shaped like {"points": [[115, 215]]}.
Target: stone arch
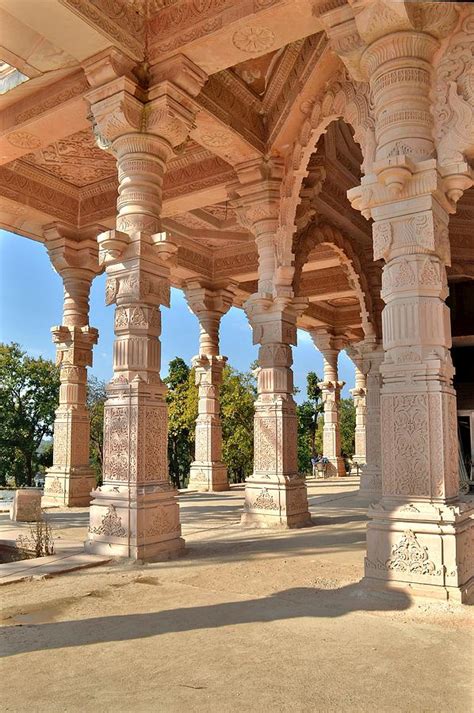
{"points": [[350, 262], [342, 99]]}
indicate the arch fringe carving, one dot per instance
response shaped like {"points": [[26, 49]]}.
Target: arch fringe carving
{"points": [[324, 234], [342, 99]]}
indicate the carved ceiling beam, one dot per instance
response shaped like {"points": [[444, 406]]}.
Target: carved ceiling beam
{"points": [[239, 30], [312, 69], [176, 228], [44, 116], [228, 122]]}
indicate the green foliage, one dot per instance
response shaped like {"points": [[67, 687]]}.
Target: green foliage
{"points": [[309, 424], [29, 394], [96, 396], [347, 422], [182, 399], [238, 393]]}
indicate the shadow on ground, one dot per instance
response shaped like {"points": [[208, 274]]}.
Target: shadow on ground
{"points": [[289, 604]]}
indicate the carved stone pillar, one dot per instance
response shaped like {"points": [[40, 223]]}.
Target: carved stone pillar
{"points": [[369, 355], [330, 346], [359, 395], [421, 537], [135, 513], [208, 472], [275, 494], [70, 480]]}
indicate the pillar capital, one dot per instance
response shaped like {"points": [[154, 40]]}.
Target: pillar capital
{"points": [[209, 303], [73, 252], [273, 320]]}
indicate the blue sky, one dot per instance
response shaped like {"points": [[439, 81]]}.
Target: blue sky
{"points": [[31, 303]]}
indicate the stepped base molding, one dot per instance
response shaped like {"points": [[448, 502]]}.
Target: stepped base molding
{"points": [[68, 487], [276, 505], [141, 523], [208, 477], [421, 548]]}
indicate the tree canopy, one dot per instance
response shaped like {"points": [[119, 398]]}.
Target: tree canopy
{"points": [[29, 395], [96, 396]]}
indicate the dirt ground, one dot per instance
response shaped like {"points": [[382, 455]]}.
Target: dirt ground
{"points": [[247, 620]]}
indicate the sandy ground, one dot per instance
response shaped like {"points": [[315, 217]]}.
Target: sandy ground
{"points": [[247, 620]]}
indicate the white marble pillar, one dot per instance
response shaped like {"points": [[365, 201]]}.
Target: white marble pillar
{"points": [[208, 471], [329, 345], [74, 255]]}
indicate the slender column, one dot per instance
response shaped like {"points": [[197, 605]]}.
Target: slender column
{"points": [[69, 481], [372, 354], [359, 395], [208, 472], [329, 345], [421, 537], [135, 513], [275, 494]]}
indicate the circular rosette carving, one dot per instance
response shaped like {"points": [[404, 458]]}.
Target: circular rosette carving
{"points": [[253, 39]]}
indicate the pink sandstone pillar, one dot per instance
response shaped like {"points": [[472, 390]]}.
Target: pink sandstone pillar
{"points": [[208, 472], [359, 396], [275, 494], [421, 536], [369, 355], [135, 513], [74, 255], [329, 345]]}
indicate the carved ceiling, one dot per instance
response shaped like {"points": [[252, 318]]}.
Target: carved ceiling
{"points": [[264, 69]]}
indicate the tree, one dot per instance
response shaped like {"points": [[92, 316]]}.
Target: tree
{"points": [[182, 399], [309, 423], [238, 394], [96, 397], [29, 394]]}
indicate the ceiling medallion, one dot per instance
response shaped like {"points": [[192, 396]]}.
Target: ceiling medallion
{"points": [[253, 39], [24, 140]]}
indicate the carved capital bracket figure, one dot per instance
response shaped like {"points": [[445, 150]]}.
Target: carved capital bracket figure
{"points": [[275, 494], [135, 513], [74, 256], [209, 304], [421, 534], [330, 345]]}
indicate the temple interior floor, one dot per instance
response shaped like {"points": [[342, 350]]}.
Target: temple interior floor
{"points": [[247, 620]]}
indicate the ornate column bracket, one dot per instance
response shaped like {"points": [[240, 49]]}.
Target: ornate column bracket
{"points": [[135, 513], [74, 255], [256, 198], [330, 345], [209, 303], [275, 494]]}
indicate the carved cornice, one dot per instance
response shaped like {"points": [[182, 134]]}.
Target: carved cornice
{"points": [[37, 194], [197, 176], [115, 19]]}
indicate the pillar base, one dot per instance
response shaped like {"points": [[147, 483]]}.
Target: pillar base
{"points": [[336, 468], [270, 504], [208, 477], [422, 548], [68, 487], [370, 486], [141, 523]]}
